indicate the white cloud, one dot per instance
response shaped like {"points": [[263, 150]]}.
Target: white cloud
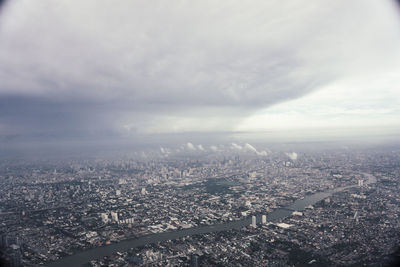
{"points": [[356, 102], [169, 67]]}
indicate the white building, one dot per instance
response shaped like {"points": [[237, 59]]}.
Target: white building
{"points": [[144, 192], [118, 192], [264, 219], [114, 216], [254, 221], [104, 217], [284, 225], [297, 213], [126, 221]]}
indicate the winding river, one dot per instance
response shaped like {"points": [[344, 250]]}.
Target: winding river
{"points": [[84, 257]]}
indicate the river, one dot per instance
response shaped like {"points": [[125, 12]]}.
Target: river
{"points": [[84, 257]]}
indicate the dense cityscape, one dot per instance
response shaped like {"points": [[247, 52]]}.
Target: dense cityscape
{"points": [[231, 207], [199, 133]]}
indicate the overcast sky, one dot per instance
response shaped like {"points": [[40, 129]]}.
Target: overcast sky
{"points": [[94, 69]]}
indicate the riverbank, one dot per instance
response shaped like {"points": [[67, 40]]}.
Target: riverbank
{"points": [[84, 257]]}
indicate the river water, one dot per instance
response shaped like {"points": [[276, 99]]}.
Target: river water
{"points": [[84, 257]]}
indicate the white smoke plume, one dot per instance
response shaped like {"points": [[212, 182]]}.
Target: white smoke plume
{"points": [[236, 146], [247, 146], [190, 146], [251, 148], [292, 155], [214, 148], [262, 153]]}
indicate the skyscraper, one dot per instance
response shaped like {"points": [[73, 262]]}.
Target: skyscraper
{"points": [[143, 192], [264, 219], [194, 260], [254, 221], [114, 216]]}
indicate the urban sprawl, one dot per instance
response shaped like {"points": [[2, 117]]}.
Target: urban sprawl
{"points": [[52, 210]]}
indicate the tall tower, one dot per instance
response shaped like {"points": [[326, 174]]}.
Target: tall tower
{"points": [[264, 219], [254, 221], [194, 260], [114, 216], [143, 192]]}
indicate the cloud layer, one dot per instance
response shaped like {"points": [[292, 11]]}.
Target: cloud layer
{"points": [[99, 68]]}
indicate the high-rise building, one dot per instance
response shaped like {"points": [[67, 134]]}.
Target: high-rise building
{"points": [[254, 221], [144, 191], [264, 219], [360, 183], [114, 216], [104, 217], [16, 256], [194, 260]]}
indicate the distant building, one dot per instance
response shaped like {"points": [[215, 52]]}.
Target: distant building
{"points": [[118, 192], [144, 192], [104, 217], [114, 216], [254, 221], [284, 225], [264, 219], [194, 260], [297, 213], [126, 221], [356, 216], [360, 183], [16, 256]]}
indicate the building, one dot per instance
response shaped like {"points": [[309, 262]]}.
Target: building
{"points": [[16, 256], [254, 221], [114, 216], [360, 183], [297, 213], [118, 192], [194, 260], [264, 219], [144, 191], [104, 217]]}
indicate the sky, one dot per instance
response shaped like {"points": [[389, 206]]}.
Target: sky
{"points": [[101, 70]]}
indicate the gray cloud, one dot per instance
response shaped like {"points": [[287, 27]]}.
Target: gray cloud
{"points": [[99, 68]]}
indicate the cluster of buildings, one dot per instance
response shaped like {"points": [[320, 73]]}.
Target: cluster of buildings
{"points": [[56, 208]]}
